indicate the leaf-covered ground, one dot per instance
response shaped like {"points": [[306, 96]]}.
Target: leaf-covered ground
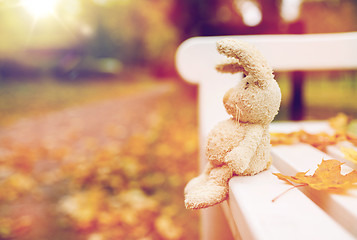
{"points": [[104, 160], [114, 169]]}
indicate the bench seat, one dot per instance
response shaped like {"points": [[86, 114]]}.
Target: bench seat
{"points": [[301, 213]]}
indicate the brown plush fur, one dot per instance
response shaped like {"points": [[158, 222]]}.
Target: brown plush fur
{"points": [[240, 145]]}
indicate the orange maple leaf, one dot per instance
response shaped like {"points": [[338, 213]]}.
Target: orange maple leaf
{"points": [[326, 177]]}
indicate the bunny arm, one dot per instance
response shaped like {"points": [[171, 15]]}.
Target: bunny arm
{"points": [[239, 158]]}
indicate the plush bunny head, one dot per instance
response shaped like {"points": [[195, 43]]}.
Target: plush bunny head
{"points": [[256, 98]]}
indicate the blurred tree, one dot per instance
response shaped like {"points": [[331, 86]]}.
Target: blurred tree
{"points": [[101, 44], [137, 32], [186, 16], [216, 17], [147, 32], [271, 19], [329, 16]]}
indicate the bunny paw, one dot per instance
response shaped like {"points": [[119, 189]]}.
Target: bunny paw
{"points": [[195, 182], [206, 195]]}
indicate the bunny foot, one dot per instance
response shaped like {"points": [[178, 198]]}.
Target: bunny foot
{"points": [[206, 195]]}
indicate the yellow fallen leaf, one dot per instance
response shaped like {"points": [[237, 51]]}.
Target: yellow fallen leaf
{"points": [[284, 138], [5, 228], [350, 154], [16, 185], [95, 236], [83, 206], [352, 138], [319, 140], [340, 122], [167, 228]]}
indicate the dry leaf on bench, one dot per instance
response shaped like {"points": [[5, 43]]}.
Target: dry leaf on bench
{"points": [[326, 177], [340, 122], [319, 140], [350, 154]]}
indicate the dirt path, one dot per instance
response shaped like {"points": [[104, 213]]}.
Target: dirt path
{"points": [[112, 121], [126, 115]]}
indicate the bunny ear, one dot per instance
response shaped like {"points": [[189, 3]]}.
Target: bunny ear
{"points": [[230, 66], [250, 59]]}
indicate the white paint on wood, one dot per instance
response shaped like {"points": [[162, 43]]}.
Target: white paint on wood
{"points": [[292, 216], [301, 158], [197, 57]]}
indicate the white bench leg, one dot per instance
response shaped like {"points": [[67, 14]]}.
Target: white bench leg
{"points": [[214, 224]]}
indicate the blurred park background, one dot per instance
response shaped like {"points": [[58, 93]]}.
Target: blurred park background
{"points": [[98, 133]]}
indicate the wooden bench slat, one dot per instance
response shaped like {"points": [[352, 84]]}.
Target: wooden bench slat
{"points": [[335, 152], [196, 57], [314, 127], [301, 157], [311, 127], [292, 216], [230, 220]]}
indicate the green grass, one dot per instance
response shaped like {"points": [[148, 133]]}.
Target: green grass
{"points": [[335, 91], [325, 94], [21, 99]]}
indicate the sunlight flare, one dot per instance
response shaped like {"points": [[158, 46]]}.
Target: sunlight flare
{"points": [[250, 12], [40, 8]]}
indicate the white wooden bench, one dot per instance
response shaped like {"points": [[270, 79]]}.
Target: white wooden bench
{"points": [[250, 213]]}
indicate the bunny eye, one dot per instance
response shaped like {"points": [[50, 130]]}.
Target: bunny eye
{"points": [[246, 85]]}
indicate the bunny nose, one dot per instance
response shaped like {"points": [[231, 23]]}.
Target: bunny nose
{"points": [[227, 95]]}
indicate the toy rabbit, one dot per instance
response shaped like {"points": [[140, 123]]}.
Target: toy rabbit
{"points": [[239, 145]]}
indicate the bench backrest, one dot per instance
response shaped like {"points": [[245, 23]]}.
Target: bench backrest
{"points": [[195, 61], [197, 57]]}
